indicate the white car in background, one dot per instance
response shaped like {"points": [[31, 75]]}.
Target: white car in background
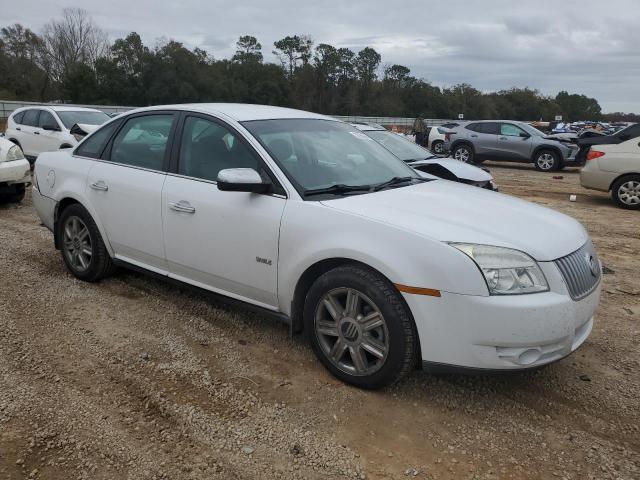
{"points": [[306, 218], [43, 128], [15, 172], [423, 160]]}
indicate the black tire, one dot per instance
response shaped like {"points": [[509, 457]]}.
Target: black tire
{"points": [[100, 264], [629, 202], [546, 160], [464, 153], [16, 197], [401, 336], [437, 147]]}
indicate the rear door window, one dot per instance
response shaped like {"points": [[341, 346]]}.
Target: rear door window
{"points": [[31, 117], [142, 141]]}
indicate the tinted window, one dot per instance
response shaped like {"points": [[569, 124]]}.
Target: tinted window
{"points": [[93, 145], [46, 119], [18, 117], [207, 147], [31, 118], [142, 142], [484, 127], [510, 130]]}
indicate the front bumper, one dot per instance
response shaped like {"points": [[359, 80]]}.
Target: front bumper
{"points": [[503, 332], [15, 172]]}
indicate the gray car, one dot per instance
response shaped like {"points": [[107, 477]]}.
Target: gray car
{"points": [[474, 142]]}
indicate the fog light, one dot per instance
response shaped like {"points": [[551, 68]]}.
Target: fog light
{"points": [[529, 356]]}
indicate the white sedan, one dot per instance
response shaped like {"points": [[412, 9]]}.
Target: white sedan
{"points": [[306, 218], [15, 172]]}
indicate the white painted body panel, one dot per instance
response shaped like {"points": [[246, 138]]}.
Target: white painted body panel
{"points": [[400, 232], [216, 246]]}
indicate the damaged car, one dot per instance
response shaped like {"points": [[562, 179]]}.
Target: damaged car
{"points": [[423, 160]]}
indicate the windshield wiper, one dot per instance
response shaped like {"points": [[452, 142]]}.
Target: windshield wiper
{"points": [[397, 181], [338, 189]]}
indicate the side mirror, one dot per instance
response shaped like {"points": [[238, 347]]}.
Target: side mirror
{"points": [[242, 180], [52, 127], [524, 135]]}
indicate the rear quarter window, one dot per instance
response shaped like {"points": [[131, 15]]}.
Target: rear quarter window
{"points": [[17, 117]]}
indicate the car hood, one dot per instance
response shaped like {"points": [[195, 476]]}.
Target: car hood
{"points": [[458, 168], [452, 212]]}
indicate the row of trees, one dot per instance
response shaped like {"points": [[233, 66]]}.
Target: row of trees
{"points": [[72, 60]]}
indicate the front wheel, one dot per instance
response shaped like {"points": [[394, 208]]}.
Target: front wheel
{"points": [[546, 161], [83, 249], [626, 192], [464, 153], [359, 327]]}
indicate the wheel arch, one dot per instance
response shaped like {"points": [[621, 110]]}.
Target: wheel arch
{"points": [[309, 276], [621, 176], [462, 141], [553, 148], [65, 202]]}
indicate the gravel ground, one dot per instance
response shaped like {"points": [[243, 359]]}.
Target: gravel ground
{"points": [[132, 378]]}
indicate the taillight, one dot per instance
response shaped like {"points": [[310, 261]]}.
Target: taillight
{"points": [[593, 154]]}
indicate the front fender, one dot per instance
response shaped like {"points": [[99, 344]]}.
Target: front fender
{"points": [[312, 232]]}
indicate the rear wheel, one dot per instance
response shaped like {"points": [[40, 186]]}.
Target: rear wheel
{"points": [[464, 153], [437, 147], [546, 161], [626, 192], [83, 249], [359, 327]]}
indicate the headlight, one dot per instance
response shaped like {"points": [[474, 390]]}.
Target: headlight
{"points": [[506, 271], [14, 153]]}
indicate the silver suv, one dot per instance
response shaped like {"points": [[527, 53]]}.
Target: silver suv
{"points": [[474, 142]]}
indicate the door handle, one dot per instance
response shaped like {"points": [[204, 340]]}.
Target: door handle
{"points": [[502, 138], [36, 133], [182, 206], [100, 185], [474, 136], [18, 128]]}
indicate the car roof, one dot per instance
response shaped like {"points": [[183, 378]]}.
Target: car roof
{"points": [[365, 127], [241, 112], [57, 108]]}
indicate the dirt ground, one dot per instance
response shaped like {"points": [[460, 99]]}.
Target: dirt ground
{"points": [[132, 378]]}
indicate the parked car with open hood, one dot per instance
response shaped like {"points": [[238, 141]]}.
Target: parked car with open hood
{"points": [[15, 172], [45, 128], [423, 160], [474, 142], [304, 217]]}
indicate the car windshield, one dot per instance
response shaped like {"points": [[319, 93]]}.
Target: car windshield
{"points": [[401, 147], [70, 118], [532, 130], [320, 154]]}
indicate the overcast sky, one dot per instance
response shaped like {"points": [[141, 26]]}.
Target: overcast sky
{"points": [[584, 46]]}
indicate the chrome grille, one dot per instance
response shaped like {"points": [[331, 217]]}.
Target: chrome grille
{"points": [[581, 271]]}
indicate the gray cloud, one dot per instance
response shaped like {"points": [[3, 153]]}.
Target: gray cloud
{"points": [[583, 46]]}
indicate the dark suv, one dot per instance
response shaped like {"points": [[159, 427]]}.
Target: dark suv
{"points": [[474, 142]]}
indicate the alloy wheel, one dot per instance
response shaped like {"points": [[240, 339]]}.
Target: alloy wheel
{"points": [[463, 154], [545, 161], [351, 331], [77, 243], [629, 193], [438, 148]]}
